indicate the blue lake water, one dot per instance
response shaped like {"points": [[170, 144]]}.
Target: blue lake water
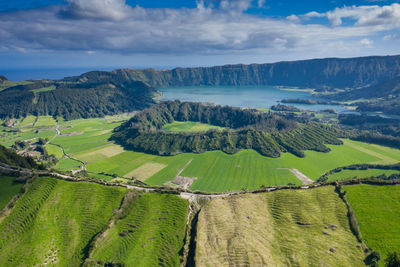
{"points": [[240, 96]]}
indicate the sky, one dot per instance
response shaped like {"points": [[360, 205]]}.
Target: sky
{"points": [[107, 34]]}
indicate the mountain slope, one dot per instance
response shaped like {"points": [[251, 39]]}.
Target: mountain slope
{"points": [[315, 73], [73, 100], [9, 157]]}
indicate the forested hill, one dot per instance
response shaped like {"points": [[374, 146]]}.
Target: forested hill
{"points": [[387, 89], [315, 73], [72, 100], [9, 157], [267, 133], [2, 79]]}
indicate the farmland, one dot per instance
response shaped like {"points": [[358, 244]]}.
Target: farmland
{"points": [[150, 234], [8, 189], [282, 228], [54, 221], [345, 174], [377, 211], [215, 171], [189, 126]]}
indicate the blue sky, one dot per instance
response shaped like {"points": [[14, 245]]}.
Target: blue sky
{"points": [[43, 34]]}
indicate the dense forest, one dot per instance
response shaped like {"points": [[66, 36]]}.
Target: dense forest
{"points": [[75, 100], [9, 157], [266, 133]]}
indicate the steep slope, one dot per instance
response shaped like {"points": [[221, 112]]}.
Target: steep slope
{"points": [[54, 221], [283, 228], [9, 157], [75, 100], [315, 73]]}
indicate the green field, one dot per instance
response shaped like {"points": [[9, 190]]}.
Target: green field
{"points": [[44, 89], [282, 228], [345, 174], [377, 211], [45, 121], [151, 234], [215, 171], [54, 221], [189, 126], [7, 84], [8, 189]]}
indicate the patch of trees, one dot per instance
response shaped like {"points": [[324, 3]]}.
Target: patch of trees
{"points": [[267, 133], [377, 138], [75, 100], [377, 124], [309, 101], [286, 108], [364, 166], [13, 159], [387, 106]]}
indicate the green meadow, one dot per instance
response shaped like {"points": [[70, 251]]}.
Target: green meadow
{"points": [[54, 221], [151, 233], [8, 189], [189, 126], [214, 171], [377, 211], [346, 174]]}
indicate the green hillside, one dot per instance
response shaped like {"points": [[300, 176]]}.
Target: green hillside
{"points": [[11, 158], [8, 189], [150, 233], [53, 223], [377, 211]]}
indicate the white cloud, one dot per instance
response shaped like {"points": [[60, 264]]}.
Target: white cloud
{"points": [[390, 37], [97, 9], [366, 42], [112, 26]]}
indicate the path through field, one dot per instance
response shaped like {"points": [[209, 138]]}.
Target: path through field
{"points": [[301, 176], [384, 158]]}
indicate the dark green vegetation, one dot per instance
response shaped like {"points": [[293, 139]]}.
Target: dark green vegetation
{"points": [[53, 222], [8, 189], [376, 209], [149, 231], [9, 157], [83, 98], [386, 172], [3, 79], [266, 133], [315, 73]]}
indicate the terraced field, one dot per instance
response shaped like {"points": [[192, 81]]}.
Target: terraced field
{"points": [[377, 211], [54, 222], [8, 189], [345, 174], [151, 234], [282, 228], [189, 126]]}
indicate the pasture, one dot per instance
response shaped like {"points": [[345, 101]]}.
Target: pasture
{"points": [[8, 189], [151, 233], [345, 174], [377, 211], [215, 171], [281, 228], [54, 221], [189, 126]]}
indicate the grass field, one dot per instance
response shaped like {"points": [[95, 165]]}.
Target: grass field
{"points": [[151, 234], [189, 126], [282, 228], [377, 211], [45, 121], [44, 89], [345, 174], [8, 189], [87, 140], [54, 222]]}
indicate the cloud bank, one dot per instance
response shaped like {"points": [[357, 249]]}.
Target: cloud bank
{"points": [[221, 27]]}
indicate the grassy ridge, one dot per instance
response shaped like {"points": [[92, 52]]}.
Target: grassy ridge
{"points": [[151, 233], [377, 211], [282, 228], [54, 221], [8, 189]]}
